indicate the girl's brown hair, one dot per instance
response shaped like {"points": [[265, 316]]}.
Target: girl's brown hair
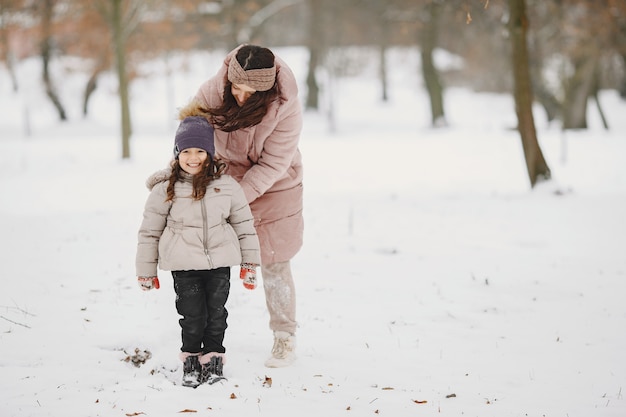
{"points": [[211, 169]]}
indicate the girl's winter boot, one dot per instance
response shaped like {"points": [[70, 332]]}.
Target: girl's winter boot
{"points": [[191, 371], [212, 368]]}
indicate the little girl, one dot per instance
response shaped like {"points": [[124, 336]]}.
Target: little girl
{"points": [[197, 224]]}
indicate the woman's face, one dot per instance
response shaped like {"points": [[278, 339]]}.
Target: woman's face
{"points": [[191, 160], [241, 92]]}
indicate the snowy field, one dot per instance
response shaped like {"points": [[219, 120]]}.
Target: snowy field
{"points": [[433, 281]]}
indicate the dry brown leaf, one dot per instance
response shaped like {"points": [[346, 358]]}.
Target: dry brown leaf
{"points": [[387, 388], [348, 408], [420, 401], [267, 382], [233, 396], [138, 358], [134, 414], [186, 410]]}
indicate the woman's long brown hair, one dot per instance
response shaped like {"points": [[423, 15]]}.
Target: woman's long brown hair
{"points": [[229, 117], [211, 169]]}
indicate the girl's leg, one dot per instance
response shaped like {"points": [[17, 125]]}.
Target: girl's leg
{"points": [[216, 290], [190, 304]]}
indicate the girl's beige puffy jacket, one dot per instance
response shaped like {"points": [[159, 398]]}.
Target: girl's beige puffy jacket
{"points": [[188, 234]]}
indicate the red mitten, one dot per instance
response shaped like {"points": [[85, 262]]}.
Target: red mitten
{"points": [[248, 275], [148, 283]]}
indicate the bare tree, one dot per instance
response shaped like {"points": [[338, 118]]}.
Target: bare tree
{"points": [[94, 45], [119, 42], [233, 17], [316, 46], [46, 48], [428, 36], [582, 40], [592, 38], [8, 9], [518, 26], [122, 17], [250, 28]]}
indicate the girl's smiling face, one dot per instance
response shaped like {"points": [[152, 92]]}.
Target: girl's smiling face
{"points": [[192, 160]]}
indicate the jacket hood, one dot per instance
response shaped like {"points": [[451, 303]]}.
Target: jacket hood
{"points": [[158, 177], [193, 108]]}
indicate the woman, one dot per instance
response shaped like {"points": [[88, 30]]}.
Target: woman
{"points": [[252, 102]]}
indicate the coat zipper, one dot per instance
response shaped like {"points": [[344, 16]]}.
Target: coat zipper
{"points": [[205, 233]]}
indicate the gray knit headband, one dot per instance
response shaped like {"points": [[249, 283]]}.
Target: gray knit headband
{"points": [[261, 79]]}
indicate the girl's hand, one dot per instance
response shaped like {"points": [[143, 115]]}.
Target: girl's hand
{"points": [[148, 283], [248, 275]]}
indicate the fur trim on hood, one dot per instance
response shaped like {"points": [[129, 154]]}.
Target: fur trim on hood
{"points": [[193, 108], [159, 176]]}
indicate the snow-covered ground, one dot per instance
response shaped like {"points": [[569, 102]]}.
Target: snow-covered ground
{"points": [[433, 280]]}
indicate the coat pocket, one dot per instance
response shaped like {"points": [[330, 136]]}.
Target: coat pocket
{"points": [[168, 242]]}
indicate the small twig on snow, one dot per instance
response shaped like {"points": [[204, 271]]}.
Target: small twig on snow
{"points": [[21, 310], [14, 322]]}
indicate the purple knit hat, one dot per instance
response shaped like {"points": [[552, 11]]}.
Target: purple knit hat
{"points": [[194, 132]]}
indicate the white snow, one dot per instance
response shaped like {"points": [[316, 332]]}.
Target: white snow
{"points": [[433, 280]]}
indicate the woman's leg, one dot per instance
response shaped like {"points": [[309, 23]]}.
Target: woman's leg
{"points": [[280, 296]]}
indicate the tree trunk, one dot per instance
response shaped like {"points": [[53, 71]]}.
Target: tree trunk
{"points": [[605, 123], [92, 83], [578, 90], [10, 63], [535, 163], [7, 57], [382, 49], [313, 90], [428, 43], [548, 101], [46, 55], [595, 93], [622, 84], [119, 41], [383, 43], [315, 45]]}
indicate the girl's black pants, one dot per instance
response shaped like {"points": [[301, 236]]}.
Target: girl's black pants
{"points": [[200, 299]]}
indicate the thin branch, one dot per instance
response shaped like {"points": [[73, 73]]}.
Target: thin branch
{"points": [[21, 310], [18, 308], [14, 322]]}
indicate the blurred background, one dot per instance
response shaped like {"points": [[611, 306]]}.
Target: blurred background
{"points": [[572, 48]]}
